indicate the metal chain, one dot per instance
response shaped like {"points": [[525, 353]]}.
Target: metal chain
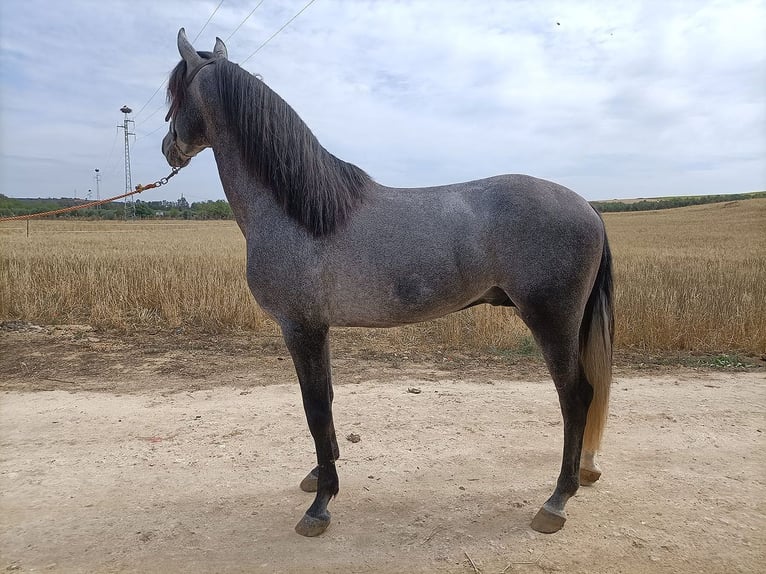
{"points": [[162, 181]]}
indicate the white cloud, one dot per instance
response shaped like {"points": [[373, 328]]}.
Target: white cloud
{"points": [[612, 99]]}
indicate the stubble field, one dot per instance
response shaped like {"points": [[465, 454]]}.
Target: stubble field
{"points": [[690, 279]]}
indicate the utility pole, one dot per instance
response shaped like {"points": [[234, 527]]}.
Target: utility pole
{"points": [[98, 189], [128, 184]]}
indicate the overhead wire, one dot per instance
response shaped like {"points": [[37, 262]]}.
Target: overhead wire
{"points": [[114, 144], [208, 22], [112, 168], [243, 21], [231, 35], [162, 85], [286, 24], [138, 113], [147, 118], [154, 131], [261, 46]]}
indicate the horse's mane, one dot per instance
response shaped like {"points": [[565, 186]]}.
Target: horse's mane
{"points": [[313, 186]]}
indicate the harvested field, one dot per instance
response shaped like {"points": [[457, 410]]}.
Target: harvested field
{"points": [[691, 279]]}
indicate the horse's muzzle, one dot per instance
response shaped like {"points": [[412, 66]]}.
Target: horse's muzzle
{"points": [[172, 153]]}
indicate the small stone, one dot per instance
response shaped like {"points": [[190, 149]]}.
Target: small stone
{"points": [[353, 437]]}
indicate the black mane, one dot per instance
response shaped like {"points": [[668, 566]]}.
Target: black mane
{"points": [[313, 186]]}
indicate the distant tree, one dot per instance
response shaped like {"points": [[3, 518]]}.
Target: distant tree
{"points": [[219, 209], [143, 211]]}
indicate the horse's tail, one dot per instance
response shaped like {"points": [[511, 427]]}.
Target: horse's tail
{"points": [[596, 337]]}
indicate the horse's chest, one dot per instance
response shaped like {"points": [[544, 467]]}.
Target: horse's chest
{"points": [[281, 281]]}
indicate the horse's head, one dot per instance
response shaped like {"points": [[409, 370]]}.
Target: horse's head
{"points": [[186, 135]]}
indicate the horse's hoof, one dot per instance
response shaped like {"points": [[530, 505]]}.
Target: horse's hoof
{"points": [[548, 521], [312, 526], [309, 484], [589, 476]]}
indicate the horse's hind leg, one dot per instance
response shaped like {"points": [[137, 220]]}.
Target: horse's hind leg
{"points": [[575, 395], [309, 347]]}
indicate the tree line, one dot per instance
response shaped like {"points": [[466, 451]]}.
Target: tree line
{"points": [[671, 202], [220, 209], [181, 209]]}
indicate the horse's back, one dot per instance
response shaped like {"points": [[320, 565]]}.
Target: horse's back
{"points": [[523, 217], [515, 198]]}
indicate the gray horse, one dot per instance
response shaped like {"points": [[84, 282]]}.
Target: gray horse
{"points": [[328, 246]]}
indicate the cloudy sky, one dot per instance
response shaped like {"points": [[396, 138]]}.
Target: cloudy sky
{"points": [[614, 99]]}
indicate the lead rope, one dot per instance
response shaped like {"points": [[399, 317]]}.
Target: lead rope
{"points": [[139, 188]]}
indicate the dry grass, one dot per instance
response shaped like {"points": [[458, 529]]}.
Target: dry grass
{"points": [[126, 275], [691, 279]]}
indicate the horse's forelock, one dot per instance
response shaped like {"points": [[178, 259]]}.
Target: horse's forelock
{"points": [[177, 85], [176, 92]]}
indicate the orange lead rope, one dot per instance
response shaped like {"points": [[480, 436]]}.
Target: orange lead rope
{"points": [[138, 189]]}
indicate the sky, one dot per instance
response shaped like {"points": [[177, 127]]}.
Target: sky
{"points": [[614, 99]]}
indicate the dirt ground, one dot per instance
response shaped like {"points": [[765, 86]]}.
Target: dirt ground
{"points": [[179, 453]]}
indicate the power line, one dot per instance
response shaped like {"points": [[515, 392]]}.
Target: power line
{"points": [[154, 131], [245, 20], [147, 118], [274, 35], [258, 49], [165, 81], [208, 22], [114, 144], [150, 98]]}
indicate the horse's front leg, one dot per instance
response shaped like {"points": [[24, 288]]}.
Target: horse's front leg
{"points": [[309, 482], [310, 350]]}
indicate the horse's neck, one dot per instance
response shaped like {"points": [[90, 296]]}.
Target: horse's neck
{"points": [[250, 199]]}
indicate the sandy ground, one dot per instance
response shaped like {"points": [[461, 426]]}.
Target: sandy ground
{"points": [[142, 470]]}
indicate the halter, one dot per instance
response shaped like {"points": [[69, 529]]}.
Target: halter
{"points": [[193, 74], [196, 70]]}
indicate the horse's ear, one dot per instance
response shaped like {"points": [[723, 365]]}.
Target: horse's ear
{"points": [[220, 49], [188, 53]]}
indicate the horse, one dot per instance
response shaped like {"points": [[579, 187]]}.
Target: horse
{"points": [[328, 246]]}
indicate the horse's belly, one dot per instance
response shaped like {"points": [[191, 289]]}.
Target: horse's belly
{"points": [[408, 299]]}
